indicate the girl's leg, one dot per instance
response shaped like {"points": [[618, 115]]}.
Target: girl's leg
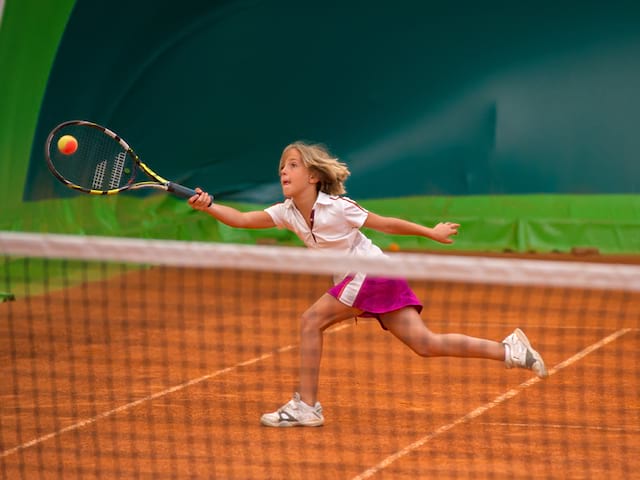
{"points": [[407, 325], [326, 311]]}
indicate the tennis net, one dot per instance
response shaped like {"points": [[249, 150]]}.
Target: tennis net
{"points": [[125, 358]]}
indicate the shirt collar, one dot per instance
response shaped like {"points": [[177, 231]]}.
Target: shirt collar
{"points": [[322, 199]]}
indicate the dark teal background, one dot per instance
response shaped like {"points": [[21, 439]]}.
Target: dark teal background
{"points": [[518, 121], [420, 98]]}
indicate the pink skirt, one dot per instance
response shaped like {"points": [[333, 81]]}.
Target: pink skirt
{"points": [[375, 296]]}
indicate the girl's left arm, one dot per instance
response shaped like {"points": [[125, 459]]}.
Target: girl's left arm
{"points": [[442, 232]]}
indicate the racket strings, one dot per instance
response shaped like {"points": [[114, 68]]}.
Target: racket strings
{"points": [[99, 163]]}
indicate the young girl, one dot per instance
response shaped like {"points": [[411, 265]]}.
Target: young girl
{"points": [[313, 182]]}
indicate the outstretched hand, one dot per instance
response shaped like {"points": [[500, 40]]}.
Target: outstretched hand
{"points": [[201, 201], [443, 232]]}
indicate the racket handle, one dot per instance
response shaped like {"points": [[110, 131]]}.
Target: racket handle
{"points": [[184, 192]]}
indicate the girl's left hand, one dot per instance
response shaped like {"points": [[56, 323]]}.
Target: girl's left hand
{"points": [[444, 230]]}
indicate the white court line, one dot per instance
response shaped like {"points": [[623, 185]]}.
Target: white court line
{"points": [[565, 426], [487, 406], [217, 373]]}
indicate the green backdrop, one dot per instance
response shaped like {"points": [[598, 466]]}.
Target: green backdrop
{"points": [[475, 114]]}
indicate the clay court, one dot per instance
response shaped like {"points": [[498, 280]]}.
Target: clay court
{"points": [[164, 373]]}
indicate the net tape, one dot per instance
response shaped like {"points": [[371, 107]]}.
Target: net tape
{"points": [[469, 269]]}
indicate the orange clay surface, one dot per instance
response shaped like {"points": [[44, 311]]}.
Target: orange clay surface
{"points": [[165, 373]]}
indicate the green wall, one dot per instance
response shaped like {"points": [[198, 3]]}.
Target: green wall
{"points": [[29, 35], [529, 146]]}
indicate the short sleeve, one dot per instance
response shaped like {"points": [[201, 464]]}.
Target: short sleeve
{"points": [[354, 214], [277, 214]]}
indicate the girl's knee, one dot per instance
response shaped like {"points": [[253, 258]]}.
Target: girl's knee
{"points": [[310, 320], [427, 346], [424, 350]]}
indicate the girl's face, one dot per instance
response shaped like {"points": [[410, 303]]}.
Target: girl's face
{"points": [[295, 177]]}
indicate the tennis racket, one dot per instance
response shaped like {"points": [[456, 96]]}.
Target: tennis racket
{"points": [[92, 159]]}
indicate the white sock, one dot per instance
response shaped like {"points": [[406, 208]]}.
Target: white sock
{"points": [[507, 354]]}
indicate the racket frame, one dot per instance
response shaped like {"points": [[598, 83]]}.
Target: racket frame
{"points": [[157, 183]]}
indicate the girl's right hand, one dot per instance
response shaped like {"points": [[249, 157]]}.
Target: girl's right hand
{"points": [[201, 201]]}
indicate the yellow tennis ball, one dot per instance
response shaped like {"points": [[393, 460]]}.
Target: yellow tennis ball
{"points": [[394, 247], [67, 144]]}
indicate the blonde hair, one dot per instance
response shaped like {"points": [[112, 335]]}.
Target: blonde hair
{"points": [[331, 172]]}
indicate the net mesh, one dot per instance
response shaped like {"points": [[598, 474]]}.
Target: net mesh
{"points": [[130, 358]]}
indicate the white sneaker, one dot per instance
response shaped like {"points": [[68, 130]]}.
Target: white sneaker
{"points": [[521, 355], [295, 413]]}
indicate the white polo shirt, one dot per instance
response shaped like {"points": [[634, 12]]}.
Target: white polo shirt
{"points": [[335, 224]]}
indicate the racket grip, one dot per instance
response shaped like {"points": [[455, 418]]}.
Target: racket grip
{"points": [[184, 192]]}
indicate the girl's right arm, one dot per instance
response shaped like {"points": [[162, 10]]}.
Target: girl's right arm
{"points": [[228, 215]]}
